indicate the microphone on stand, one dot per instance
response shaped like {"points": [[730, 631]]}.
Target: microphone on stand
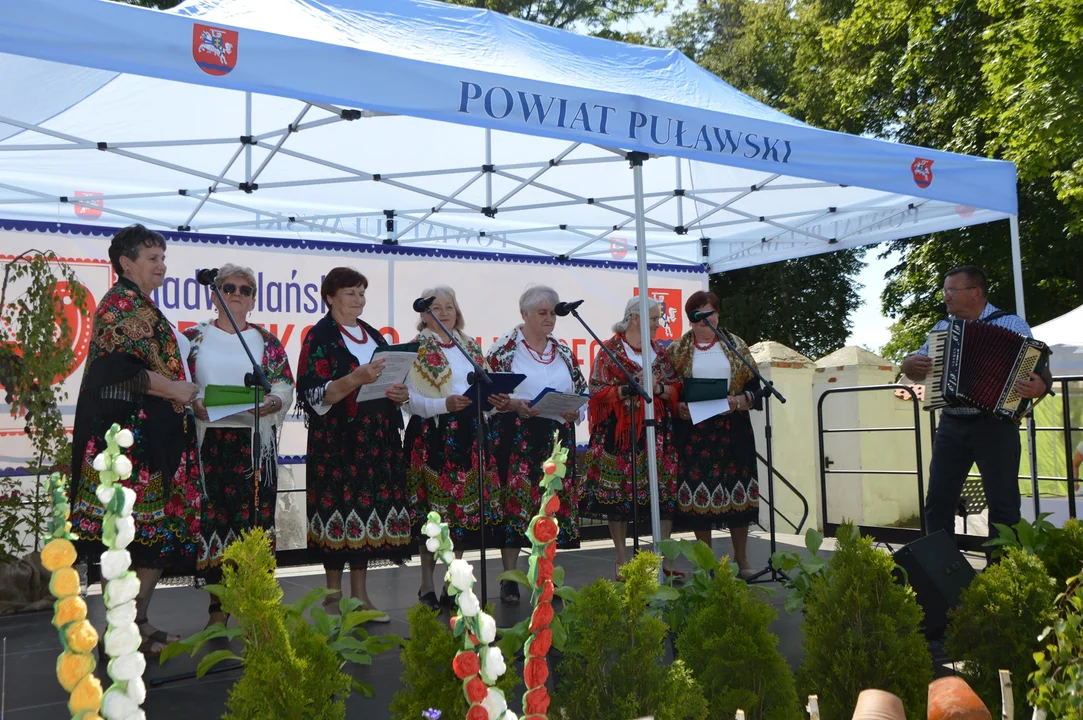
{"points": [[699, 315], [423, 304], [206, 276], [566, 308], [942, 308]]}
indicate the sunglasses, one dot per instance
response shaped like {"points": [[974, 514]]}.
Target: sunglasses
{"points": [[231, 289]]}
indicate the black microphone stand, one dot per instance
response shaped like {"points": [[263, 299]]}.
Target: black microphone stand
{"points": [[637, 389], [767, 389], [252, 379], [477, 375]]}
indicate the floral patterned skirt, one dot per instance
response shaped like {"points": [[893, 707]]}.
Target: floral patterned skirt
{"points": [[443, 477], [234, 502], [607, 487], [357, 503], [519, 449], [717, 484], [167, 517]]}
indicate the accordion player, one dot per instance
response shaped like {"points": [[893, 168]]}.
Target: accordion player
{"points": [[977, 365]]}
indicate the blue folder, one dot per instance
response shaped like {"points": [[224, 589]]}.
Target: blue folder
{"points": [[503, 384]]}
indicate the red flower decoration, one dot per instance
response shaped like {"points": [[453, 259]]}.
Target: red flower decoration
{"points": [[549, 468], [537, 701], [477, 713], [547, 592], [551, 551], [545, 529], [476, 690], [543, 615], [545, 570], [552, 506], [535, 672], [323, 367], [466, 664], [539, 646]]}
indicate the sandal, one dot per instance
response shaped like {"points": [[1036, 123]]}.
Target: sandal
{"points": [[509, 592], [429, 600], [216, 609], [154, 643]]}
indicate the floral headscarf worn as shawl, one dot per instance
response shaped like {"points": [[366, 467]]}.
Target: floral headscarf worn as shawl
{"points": [[682, 351], [431, 373], [502, 354], [606, 380]]}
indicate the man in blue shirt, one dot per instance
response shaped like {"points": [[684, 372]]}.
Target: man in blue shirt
{"points": [[966, 435]]}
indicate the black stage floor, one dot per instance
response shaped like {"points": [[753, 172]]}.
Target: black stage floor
{"points": [[32, 691]]}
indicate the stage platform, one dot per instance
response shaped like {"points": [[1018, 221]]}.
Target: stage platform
{"points": [[32, 644]]}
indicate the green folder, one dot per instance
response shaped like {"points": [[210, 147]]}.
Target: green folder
{"points": [[218, 395], [702, 389]]}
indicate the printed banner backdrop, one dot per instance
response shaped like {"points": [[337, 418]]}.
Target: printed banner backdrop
{"points": [[289, 301]]}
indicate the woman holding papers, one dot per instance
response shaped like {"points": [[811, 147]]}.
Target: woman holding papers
{"points": [[521, 438], [136, 376], [717, 486], [441, 439], [357, 504], [241, 484], [607, 491]]}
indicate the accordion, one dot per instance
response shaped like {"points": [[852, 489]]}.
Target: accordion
{"points": [[977, 364]]}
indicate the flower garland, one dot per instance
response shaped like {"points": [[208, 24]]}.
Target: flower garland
{"points": [[479, 665], [75, 666], [542, 532], [122, 639]]}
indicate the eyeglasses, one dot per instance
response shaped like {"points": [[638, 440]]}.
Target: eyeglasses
{"points": [[231, 289], [951, 291]]}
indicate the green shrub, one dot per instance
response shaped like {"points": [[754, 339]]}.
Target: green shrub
{"points": [[612, 664], [1063, 554], [997, 623], [292, 668], [862, 630], [1057, 684], [734, 657], [428, 680], [803, 570]]}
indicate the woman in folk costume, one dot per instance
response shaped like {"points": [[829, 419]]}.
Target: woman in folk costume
{"points": [[357, 505], [441, 439], [716, 483], [607, 492], [241, 481], [136, 376], [521, 441]]}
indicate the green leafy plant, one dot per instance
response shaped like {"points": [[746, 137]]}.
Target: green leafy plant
{"points": [[803, 570], [1057, 684], [512, 639], [16, 514], [612, 667], [428, 680], [293, 668], [998, 621], [36, 294], [862, 630], [1060, 549], [733, 655], [676, 602]]}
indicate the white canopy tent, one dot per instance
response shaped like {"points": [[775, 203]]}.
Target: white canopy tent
{"points": [[410, 124], [1064, 335]]}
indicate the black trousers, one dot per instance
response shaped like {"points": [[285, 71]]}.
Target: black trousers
{"points": [[960, 442]]}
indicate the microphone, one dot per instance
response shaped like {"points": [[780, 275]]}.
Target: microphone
{"points": [[423, 304], [566, 308], [699, 315], [206, 276]]}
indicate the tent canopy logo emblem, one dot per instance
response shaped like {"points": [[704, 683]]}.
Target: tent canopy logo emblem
{"points": [[88, 208], [923, 172], [618, 248], [214, 49], [671, 324]]}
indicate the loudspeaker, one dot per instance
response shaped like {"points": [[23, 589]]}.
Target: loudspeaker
{"points": [[938, 573]]}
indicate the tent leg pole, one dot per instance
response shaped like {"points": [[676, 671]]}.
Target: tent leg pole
{"points": [[636, 160], [1017, 268], [248, 133]]}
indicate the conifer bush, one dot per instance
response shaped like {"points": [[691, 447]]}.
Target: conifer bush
{"points": [[862, 630], [734, 657], [612, 667], [997, 624]]}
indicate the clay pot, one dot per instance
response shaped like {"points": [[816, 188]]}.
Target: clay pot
{"points": [[878, 705], [950, 698]]}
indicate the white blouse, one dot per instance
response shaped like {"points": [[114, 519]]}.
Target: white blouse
{"points": [[539, 375], [185, 347], [428, 407], [632, 354], [711, 363]]}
